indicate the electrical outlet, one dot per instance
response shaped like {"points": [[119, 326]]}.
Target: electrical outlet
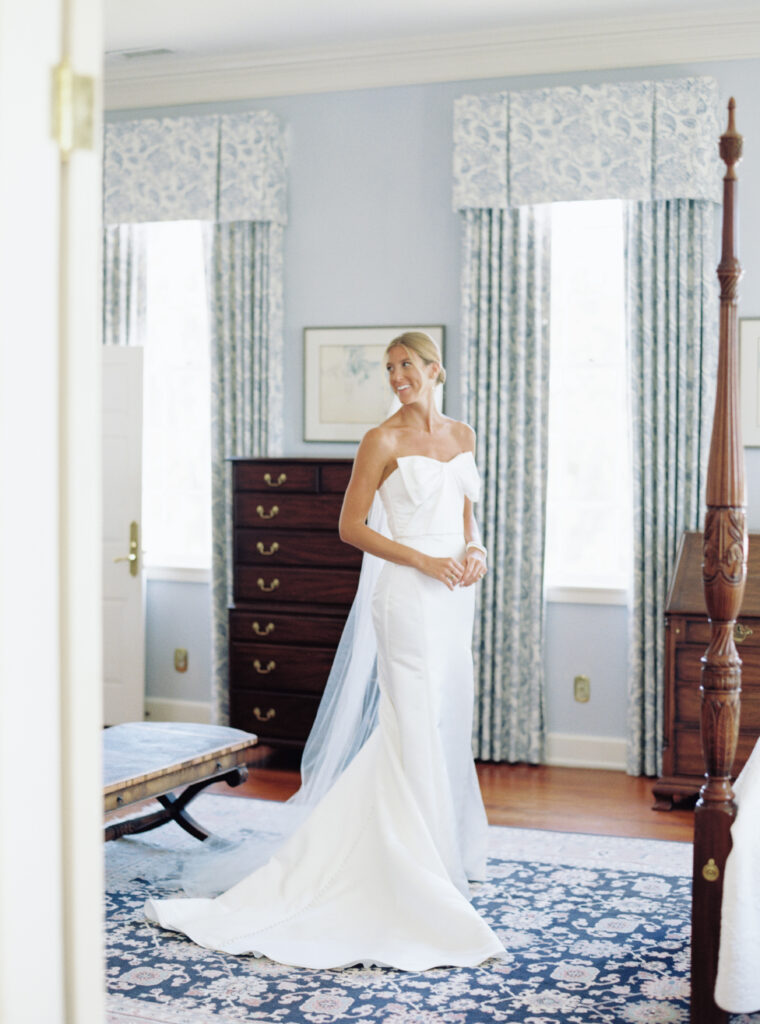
{"points": [[180, 659], [582, 689]]}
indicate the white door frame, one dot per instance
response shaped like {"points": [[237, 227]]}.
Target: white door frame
{"points": [[50, 649], [80, 517]]}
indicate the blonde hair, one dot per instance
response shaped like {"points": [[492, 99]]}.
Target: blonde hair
{"points": [[424, 346]]}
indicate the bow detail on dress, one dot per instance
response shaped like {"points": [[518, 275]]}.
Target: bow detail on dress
{"points": [[422, 475]]}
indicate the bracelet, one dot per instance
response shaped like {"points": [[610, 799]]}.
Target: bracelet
{"points": [[473, 546]]}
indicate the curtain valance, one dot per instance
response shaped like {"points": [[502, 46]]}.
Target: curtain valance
{"points": [[633, 140], [226, 167]]}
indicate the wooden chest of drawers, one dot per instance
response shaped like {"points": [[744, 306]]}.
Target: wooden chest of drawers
{"points": [[687, 634], [293, 584]]}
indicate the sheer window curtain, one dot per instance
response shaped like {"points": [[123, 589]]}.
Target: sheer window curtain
{"points": [[230, 172], [655, 145]]}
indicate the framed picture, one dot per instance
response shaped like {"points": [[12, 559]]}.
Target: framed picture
{"points": [[749, 378], [345, 390]]}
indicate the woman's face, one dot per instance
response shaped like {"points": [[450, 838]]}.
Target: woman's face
{"points": [[409, 377]]}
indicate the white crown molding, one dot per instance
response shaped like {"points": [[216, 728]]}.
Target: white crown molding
{"points": [[524, 50]]}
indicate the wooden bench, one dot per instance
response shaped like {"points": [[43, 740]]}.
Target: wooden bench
{"points": [[148, 760]]}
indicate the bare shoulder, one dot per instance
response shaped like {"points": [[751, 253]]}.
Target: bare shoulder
{"points": [[464, 435], [378, 443], [377, 449]]}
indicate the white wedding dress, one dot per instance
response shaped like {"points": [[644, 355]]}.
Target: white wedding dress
{"points": [[378, 873]]}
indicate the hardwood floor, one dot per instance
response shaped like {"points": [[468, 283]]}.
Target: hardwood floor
{"points": [[524, 796]]}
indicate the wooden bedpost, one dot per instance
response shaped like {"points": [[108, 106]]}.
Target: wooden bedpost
{"points": [[724, 572]]}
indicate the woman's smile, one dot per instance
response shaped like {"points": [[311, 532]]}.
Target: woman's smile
{"points": [[406, 372]]}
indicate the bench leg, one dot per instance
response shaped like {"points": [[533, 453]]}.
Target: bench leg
{"points": [[173, 809]]}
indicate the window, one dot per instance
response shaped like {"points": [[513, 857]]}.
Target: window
{"points": [[176, 399], [588, 540]]}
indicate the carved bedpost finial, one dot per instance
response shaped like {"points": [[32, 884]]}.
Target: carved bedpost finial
{"points": [[729, 268], [731, 142]]}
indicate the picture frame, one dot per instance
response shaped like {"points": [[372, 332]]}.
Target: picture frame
{"points": [[749, 379], [345, 390]]}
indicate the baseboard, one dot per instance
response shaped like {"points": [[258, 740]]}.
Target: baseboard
{"points": [[562, 749], [570, 751], [165, 709]]}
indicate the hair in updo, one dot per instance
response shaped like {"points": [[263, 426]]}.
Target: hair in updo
{"points": [[424, 346]]}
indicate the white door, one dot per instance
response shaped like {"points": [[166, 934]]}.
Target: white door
{"points": [[123, 584]]}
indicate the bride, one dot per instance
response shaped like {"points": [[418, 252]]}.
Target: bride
{"points": [[378, 871]]}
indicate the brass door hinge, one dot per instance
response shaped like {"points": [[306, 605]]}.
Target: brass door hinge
{"points": [[73, 109]]}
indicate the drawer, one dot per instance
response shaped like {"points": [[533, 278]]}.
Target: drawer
{"points": [[335, 478], [304, 586], [300, 669], [746, 633], [687, 755], [275, 511], [296, 547], [273, 476], [688, 703], [269, 626], [274, 716]]}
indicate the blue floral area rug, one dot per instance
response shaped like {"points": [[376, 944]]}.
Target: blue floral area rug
{"points": [[596, 930]]}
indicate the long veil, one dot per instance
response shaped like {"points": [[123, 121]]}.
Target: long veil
{"points": [[346, 718]]}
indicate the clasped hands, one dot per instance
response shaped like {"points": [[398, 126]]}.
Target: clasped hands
{"points": [[454, 573]]}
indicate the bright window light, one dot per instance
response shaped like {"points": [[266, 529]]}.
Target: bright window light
{"points": [[588, 541], [176, 399]]}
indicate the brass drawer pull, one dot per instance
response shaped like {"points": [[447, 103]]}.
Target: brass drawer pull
{"points": [[267, 588], [275, 483], [267, 515], [263, 718], [742, 632], [274, 547], [269, 628], [271, 666]]}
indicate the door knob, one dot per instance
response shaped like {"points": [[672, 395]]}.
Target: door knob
{"points": [[133, 556]]}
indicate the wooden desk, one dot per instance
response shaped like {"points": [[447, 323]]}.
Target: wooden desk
{"points": [[687, 634], [147, 760]]}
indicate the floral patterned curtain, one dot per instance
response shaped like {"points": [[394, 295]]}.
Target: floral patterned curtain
{"points": [[672, 332], [505, 393], [245, 274], [654, 144], [123, 284], [229, 170]]}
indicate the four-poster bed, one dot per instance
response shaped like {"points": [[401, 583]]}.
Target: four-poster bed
{"points": [[724, 574]]}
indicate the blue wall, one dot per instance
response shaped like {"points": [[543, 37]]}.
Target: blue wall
{"points": [[178, 615], [372, 239]]}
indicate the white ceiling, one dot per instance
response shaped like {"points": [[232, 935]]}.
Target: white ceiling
{"points": [[205, 27], [217, 50]]}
